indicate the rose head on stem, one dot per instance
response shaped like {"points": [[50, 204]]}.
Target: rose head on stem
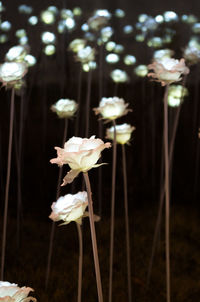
{"points": [[70, 208], [11, 292], [65, 108], [12, 72], [112, 108], [81, 154], [168, 70], [123, 133]]}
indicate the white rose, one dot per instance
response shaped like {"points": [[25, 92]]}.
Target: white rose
{"points": [[86, 54], [119, 76], [10, 72], [69, 208], [81, 154], [123, 133], [65, 108], [168, 70], [112, 108], [16, 53], [10, 292]]}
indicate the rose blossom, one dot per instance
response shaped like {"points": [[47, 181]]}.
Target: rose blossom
{"points": [[81, 154], [11, 72], [168, 70], [123, 133], [69, 208], [65, 108], [10, 292], [112, 108]]}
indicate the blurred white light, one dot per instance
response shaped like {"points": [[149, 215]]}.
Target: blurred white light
{"points": [[89, 36], [66, 13], [47, 17], [196, 28], [170, 16], [119, 13], [33, 20], [16, 53], [48, 37], [53, 9], [3, 38], [110, 45], [77, 11], [49, 50], [140, 38], [89, 66], [23, 40], [25, 9], [142, 18], [159, 19], [5, 26], [70, 23], [102, 13], [128, 29], [141, 71], [119, 76], [190, 19], [20, 33], [129, 60], [112, 58], [119, 48], [30, 60], [106, 33], [85, 27], [155, 42]]}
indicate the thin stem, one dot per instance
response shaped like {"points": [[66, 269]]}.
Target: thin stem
{"points": [[53, 223], [167, 204], [80, 263], [87, 108], [7, 183], [112, 226], [93, 235], [171, 151], [127, 225]]}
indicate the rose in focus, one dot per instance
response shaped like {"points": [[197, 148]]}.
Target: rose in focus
{"points": [[81, 154], [11, 72], [11, 292]]}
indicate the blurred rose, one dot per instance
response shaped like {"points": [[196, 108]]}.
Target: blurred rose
{"points": [[191, 55], [123, 133], [11, 72], [81, 154], [10, 292], [65, 108], [168, 70], [112, 108], [70, 208]]}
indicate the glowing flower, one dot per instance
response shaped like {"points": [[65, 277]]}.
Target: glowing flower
{"points": [[96, 22], [11, 72], [10, 292], [65, 108], [112, 108], [70, 208], [119, 76], [123, 133], [168, 70], [163, 53], [141, 70], [191, 54], [81, 154], [77, 45], [16, 53], [176, 93], [86, 54]]}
